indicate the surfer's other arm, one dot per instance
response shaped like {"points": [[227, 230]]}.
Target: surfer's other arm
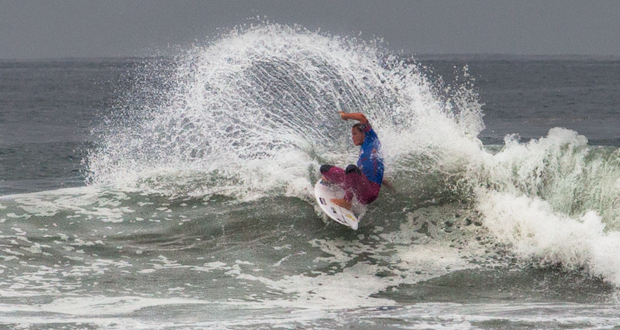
{"points": [[355, 116]]}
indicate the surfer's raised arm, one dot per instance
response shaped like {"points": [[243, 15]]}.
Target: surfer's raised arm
{"points": [[355, 116]]}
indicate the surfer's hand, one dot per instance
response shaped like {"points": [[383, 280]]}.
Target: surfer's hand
{"points": [[343, 115], [342, 203]]}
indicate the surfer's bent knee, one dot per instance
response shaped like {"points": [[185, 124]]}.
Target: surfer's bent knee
{"points": [[352, 169], [325, 168]]}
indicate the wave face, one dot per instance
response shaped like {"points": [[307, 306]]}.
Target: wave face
{"points": [[255, 114]]}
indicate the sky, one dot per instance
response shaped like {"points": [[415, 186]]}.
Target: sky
{"points": [[47, 29]]}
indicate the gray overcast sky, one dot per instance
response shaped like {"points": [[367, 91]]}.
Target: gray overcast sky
{"points": [[31, 29]]}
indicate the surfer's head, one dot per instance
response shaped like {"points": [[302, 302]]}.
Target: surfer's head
{"points": [[358, 134]]}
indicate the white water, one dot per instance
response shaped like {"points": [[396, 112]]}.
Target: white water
{"points": [[552, 200], [255, 114]]}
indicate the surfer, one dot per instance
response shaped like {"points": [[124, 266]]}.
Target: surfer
{"points": [[364, 179]]}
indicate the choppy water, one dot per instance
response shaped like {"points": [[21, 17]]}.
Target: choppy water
{"points": [[176, 193]]}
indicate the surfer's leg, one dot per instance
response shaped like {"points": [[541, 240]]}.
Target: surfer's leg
{"points": [[354, 182], [333, 174], [357, 183]]}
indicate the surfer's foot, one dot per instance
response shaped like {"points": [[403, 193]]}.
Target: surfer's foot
{"points": [[342, 203]]}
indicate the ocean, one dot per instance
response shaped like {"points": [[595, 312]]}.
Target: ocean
{"points": [[177, 192]]}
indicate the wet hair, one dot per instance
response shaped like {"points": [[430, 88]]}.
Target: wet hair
{"points": [[359, 127]]}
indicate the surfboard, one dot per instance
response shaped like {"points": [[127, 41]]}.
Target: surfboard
{"points": [[324, 192]]}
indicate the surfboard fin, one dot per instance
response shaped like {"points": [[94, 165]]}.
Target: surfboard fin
{"points": [[350, 221]]}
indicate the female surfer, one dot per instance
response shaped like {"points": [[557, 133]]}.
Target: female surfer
{"points": [[364, 179]]}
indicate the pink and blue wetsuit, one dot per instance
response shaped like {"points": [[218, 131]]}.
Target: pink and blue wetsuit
{"points": [[364, 180]]}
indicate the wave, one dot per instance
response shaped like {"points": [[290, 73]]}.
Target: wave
{"points": [[555, 201], [259, 108], [254, 114]]}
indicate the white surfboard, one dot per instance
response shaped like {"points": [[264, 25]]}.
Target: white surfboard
{"points": [[324, 192]]}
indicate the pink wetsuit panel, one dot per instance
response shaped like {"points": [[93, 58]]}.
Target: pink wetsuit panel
{"points": [[353, 183]]}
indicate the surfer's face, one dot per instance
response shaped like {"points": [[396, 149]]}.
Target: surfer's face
{"points": [[358, 136]]}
